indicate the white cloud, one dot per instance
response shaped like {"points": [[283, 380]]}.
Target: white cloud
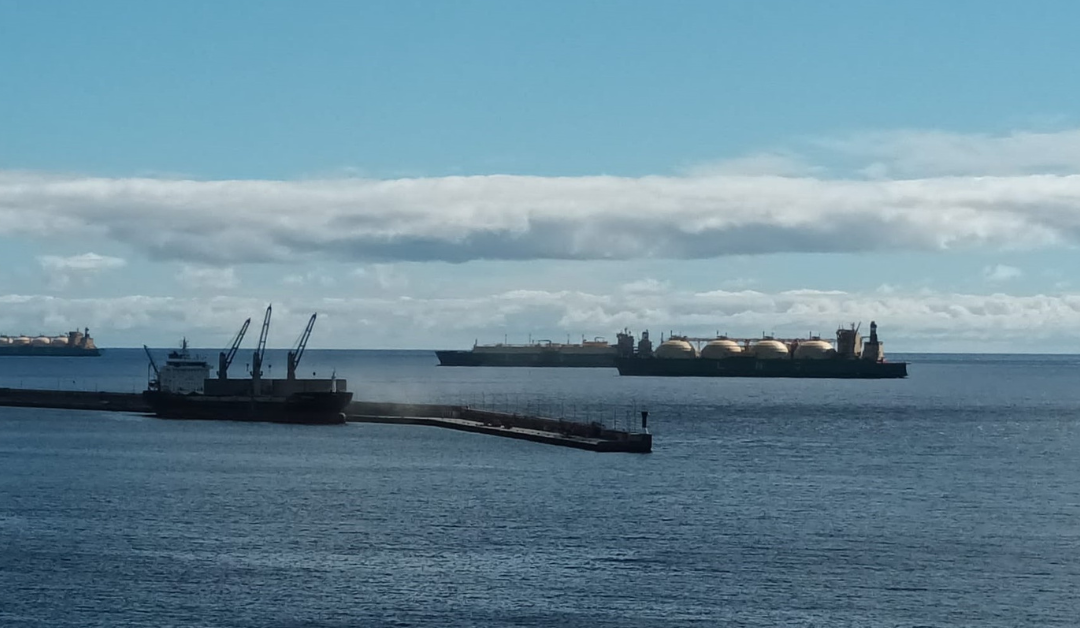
{"points": [[207, 278], [1001, 272], [61, 271], [385, 276], [777, 163], [646, 286], [920, 153], [87, 262], [312, 278], [521, 217], [737, 283]]}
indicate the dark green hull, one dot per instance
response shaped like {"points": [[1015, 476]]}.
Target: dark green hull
{"points": [[313, 408], [61, 352], [544, 358], [753, 367]]}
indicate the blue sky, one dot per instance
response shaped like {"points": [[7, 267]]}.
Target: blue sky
{"points": [[167, 167]]}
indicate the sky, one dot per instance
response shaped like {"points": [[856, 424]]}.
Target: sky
{"points": [[430, 174]]}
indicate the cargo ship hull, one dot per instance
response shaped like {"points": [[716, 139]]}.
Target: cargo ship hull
{"points": [[753, 367], [32, 351], [305, 408], [535, 359]]}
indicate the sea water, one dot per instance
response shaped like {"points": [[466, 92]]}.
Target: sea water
{"points": [[951, 498]]}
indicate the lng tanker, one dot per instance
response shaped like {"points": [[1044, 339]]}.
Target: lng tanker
{"points": [[851, 358], [74, 344], [543, 353], [183, 388]]}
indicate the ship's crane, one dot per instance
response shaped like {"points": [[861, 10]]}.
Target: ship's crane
{"points": [[152, 383], [153, 365], [225, 359], [301, 344], [260, 350]]}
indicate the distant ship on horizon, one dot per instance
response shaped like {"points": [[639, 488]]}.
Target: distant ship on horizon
{"points": [[74, 344], [721, 356], [596, 353]]}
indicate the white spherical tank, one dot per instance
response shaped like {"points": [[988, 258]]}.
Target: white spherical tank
{"points": [[59, 340], [4, 340], [769, 350], [814, 350], [675, 350], [41, 341], [720, 349], [21, 340]]}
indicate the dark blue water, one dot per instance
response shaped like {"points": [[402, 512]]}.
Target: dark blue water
{"points": [[951, 498]]}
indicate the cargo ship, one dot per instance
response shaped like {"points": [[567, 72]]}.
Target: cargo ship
{"points": [[812, 357], [183, 388], [541, 353], [74, 344]]}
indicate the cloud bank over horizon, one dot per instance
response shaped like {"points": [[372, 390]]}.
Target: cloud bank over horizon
{"points": [[921, 320], [732, 208]]}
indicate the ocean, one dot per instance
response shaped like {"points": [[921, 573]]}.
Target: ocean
{"points": [[951, 498]]}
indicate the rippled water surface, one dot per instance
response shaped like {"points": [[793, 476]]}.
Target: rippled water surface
{"points": [[951, 498]]}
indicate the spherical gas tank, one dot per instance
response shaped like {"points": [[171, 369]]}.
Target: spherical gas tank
{"points": [[769, 350], [21, 340], [4, 340], [59, 340], [814, 350], [41, 341], [675, 350], [720, 349]]}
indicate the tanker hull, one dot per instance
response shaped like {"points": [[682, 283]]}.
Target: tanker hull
{"points": [[753, 367], [305, 408], [544, 358], [47, 351]]}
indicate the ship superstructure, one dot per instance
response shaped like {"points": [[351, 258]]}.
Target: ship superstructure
{"points": [[183, 373], [184, 389], [73, 344]]}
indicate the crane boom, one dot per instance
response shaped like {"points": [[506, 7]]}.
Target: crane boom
{"points": [[301, 344], [225, 359], [152, 364], [257, 359]]}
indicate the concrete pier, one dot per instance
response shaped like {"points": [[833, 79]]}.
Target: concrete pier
{"points": [[591, 436], [73, 400]]}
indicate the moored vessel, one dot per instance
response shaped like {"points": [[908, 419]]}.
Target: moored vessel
{"points": [[73, 344], [596, 353], [851, 358], [183, 388]]}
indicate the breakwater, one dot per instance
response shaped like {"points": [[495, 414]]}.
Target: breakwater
{"points": [[73, 400], [589, 436], [552, 431]]}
